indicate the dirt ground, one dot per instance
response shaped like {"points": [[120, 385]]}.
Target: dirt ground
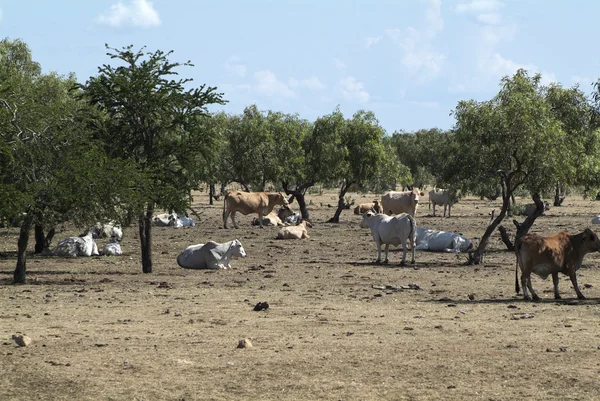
{"points": [[103, 330]]}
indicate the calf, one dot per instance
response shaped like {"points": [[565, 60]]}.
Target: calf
{"points": [[367, 207], [295, 232], [544, 256], [391, 230]]}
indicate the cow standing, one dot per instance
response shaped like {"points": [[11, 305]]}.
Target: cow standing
{"points": [[251, 202], [391, 230], [442, 197], [394, 202], [544, 256]]}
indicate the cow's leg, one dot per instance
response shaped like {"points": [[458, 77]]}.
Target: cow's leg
{"points": [[378, 252], [555, 282], [403, 254], [412, 247], [533, 294], [433, 208], [235, 225], [449, 207], [524, 286], [387, 248], [573, 277], [225, 217]]}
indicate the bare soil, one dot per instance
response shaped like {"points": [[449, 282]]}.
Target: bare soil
{"points": [[338, 326]]}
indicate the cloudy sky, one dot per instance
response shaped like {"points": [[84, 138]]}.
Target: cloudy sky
{"points": [[409, 61]]}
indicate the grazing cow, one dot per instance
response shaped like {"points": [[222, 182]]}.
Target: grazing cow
{"points": [[250, 202], [391, 230], [211, 255], [367, 207], [544, 256], [295, 232], [442, 197], [441, 241], [113, 248], [393, 202], [76, 246], [110, 229], [529, 209]]}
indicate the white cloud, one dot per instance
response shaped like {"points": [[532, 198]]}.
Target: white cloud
{"points": [[234, 67], [339, 64], [490, 18], [312, 82], [423, 62], [354, 90], [429, 104], [0, 15], [478, 6], [138, 13], [268, 84], [372, 40]]}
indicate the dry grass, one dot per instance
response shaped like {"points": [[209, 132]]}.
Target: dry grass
{"points": [[102, 330]]}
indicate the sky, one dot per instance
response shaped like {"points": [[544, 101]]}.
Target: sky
{"points": [[408, 61]]}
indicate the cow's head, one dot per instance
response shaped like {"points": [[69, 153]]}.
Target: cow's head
{"points": [[590, 241], [415, 197], [366, 217], [238, 249]]}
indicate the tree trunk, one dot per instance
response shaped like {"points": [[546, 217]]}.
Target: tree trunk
{"points": [[49, 236], [476, 257], [145, 227], [523, 228], [19, 275], [39, 238], [211, 193], [341, 204], [298, 194], [559, 196]]}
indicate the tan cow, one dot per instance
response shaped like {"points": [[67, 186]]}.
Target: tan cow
{"points": [[544, 256], [368, 207], [394, 202], [250, 202], [295, 232]]}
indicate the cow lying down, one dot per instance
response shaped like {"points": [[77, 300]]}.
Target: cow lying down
{"points": [[441, 241], [76, 246], [211, 255], [295, 232], [113, 248], [172, 220]]}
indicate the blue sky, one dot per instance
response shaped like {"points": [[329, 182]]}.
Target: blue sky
{"points": [[409, 61]]}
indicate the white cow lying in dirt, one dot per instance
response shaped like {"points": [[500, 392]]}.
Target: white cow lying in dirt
{"points": [[441, 241], [295, 232], [391, 230], [173, 220], [211, 255], [76, 246], [113, 248]]}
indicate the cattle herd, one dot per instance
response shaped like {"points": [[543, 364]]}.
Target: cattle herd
{"points": [[391, 221]]}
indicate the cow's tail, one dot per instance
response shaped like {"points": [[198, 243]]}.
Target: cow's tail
{"points": [[517, 253], [225, 206]]}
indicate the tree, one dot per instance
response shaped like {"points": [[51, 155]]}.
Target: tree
{"points": [[151, 119], [513, 140], [362, 155], [47, 158]]}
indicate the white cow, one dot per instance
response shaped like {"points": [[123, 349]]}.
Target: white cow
{"points": [[211, 255], [391, 230], [76, 246], [112, 248], [173, 220], [442, 197], [441, 241], [529, 209], [393, 202], [110, 229]]}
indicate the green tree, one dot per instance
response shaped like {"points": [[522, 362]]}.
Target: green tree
{"points": [[513, 140], [149, 118], [362, 155], [47, 156]]}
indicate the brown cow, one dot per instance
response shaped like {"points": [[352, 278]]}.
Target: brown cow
{"points": [[250, 202], [368, 207], [544, 256], [294, 232]]}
